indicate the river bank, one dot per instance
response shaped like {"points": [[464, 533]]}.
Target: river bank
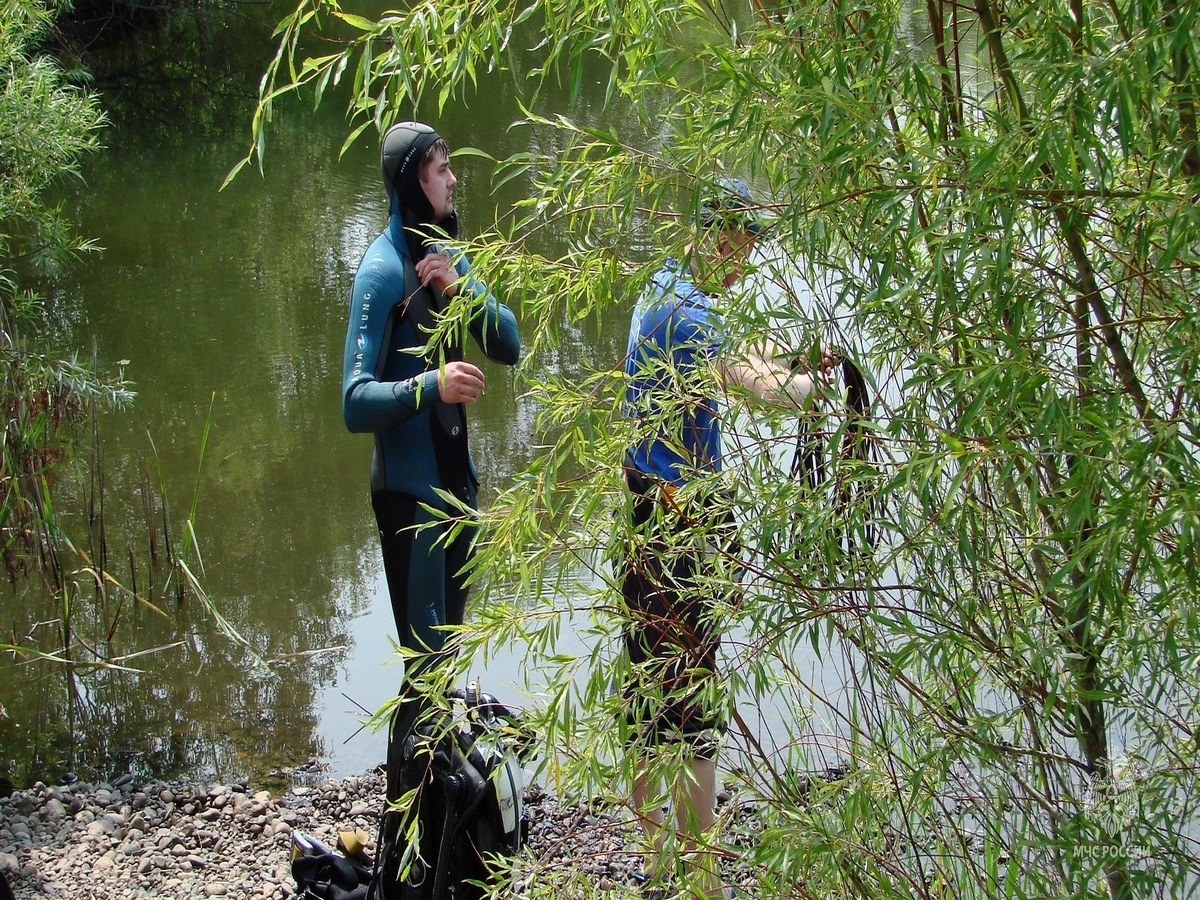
{"points": [[128, 840]]}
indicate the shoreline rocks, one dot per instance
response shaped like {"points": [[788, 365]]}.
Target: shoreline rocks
{"points": [[127, 840]]}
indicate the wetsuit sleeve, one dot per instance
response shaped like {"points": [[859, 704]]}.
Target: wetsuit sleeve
{"points": [[492, 324], [369, 404]]}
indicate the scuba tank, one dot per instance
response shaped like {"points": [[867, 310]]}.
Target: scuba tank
{"points": [[501, 749]]}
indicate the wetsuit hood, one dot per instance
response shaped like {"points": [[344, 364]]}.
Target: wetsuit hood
{"points": [[405, 146]]}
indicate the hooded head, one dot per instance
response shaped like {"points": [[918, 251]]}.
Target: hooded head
{"points": [[407, 146]]}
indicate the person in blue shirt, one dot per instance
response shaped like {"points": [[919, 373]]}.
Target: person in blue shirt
{"points": [[678, 363], [413, 398]]}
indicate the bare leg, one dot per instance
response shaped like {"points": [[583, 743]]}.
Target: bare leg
{"points": [[695, 816], [647, 806]]}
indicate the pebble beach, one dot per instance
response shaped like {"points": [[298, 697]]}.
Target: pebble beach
{"points": [[131, 840]]}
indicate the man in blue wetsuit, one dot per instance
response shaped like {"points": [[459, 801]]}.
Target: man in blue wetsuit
{"points": [[679, 361], [413, 400]]}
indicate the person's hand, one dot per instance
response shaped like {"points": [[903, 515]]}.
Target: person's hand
{"points": [[808, 383], [825, 363], [436, 268], [801, 386], [828, 360], [460, 382]]}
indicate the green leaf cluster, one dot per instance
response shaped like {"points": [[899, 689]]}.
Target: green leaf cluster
{"points": [[47, 125], [992, 207]]}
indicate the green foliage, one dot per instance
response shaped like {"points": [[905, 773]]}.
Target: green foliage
{"points": [[995, 210], [48, 126]]}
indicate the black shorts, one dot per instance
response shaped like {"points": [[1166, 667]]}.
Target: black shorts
{"points": [[671, 637]]}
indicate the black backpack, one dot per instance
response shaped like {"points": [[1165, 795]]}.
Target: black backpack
{"points": [[455, 805]]}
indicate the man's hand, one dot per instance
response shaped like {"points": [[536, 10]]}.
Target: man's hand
{"points": [[435, 268], [460, 382], [825, 363], [829, 359]]}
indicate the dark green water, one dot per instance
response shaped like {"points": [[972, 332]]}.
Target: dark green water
{"points": [[229, 308]]}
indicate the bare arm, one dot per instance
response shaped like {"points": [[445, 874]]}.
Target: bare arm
{"points": [[772, 379]]}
